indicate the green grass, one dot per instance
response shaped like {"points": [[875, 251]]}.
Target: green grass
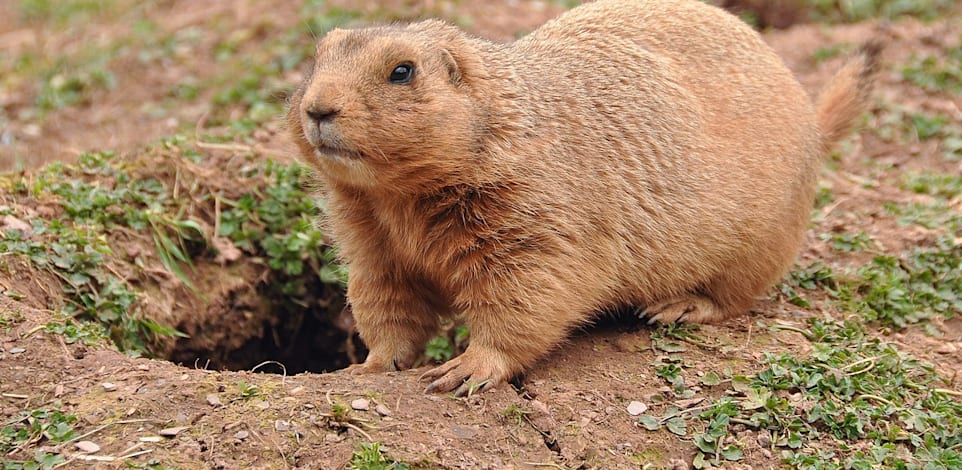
{"points": [[852, 392], [34, 428], [848, 242], [61, 12], [937, 73], [857, 10], [898, 124], [891, 291], [371, 457], [934, 184]]}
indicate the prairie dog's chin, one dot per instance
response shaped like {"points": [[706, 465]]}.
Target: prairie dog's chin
{"points": [[336, 155], [344, 166]]}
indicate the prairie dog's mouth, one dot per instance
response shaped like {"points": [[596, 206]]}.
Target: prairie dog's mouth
{"points": [[324, 151]]}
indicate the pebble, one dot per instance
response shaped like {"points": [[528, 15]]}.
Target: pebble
{"points": [[361, 404], [262, 404], [242, 435], [463, 432], [282, 425], [10, 222], [109, 386], [213, 399], [171, 432], [636, 408], [382, 410], [87, 446], [945, 348], [16, 350], [539, 406]]}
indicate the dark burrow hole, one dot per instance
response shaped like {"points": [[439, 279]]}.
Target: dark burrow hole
{"points": [[270, 331]]}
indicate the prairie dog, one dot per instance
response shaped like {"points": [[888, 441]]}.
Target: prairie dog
{"points": [[630, 152]]}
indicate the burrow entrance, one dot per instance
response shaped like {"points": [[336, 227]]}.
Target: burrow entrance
{"points": [[244, 320]]}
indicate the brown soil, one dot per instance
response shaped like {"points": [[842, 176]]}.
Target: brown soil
{"points": [[577, 395]]}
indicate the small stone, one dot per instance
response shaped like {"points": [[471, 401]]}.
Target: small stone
{"points": [[296, 390], [636, 408], [678, 464], [945, 348], [9, 222], [213, 399], [382, 410], [282, 425], [16, 350], [150, 439], [464, 432], [333, 437], [171, 432], [262, 404], [242, 434], [766, 453], [361, 404], [87, 447], [539, 406], [143, 367], [764, 440], [181, 417], [109, 387]]}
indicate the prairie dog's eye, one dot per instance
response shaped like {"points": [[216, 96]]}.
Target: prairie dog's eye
{"points": [[402, 73]]}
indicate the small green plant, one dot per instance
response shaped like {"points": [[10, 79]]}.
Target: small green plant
{"points": [[858, 10], [814, 276], [30, 428], [829, 52], [848, 242], [371, 457], [712, 448], [515, 414], [938, 73], [933, 184], [897, 123], [9, 318], [247, 391], [445, 346]]}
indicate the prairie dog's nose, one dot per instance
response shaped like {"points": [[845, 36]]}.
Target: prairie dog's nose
{"points": [[319, 113]]}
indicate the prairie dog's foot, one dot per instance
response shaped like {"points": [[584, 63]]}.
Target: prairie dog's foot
{"points": [[367, 368], [475, 371], [373, 365], [689, 308]]}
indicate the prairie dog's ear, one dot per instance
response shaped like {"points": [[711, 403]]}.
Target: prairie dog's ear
{"points": [[454, 72]]}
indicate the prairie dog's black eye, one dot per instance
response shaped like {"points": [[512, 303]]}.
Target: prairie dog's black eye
{"points": [[402, 73]]}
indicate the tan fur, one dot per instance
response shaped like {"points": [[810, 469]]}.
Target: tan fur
{"points": [[653, 153]]}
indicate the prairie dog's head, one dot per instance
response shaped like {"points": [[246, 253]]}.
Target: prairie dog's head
{"points": [[387, 106]]}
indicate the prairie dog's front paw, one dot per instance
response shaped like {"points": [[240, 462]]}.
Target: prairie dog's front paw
{"points": [[475, 371], [367, 367], [376, 363]]}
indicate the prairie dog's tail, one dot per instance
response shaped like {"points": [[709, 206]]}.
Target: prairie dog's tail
{"points": [[847, 95]]}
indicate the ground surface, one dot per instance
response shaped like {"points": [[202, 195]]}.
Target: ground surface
{"points": [[123, 78]]}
